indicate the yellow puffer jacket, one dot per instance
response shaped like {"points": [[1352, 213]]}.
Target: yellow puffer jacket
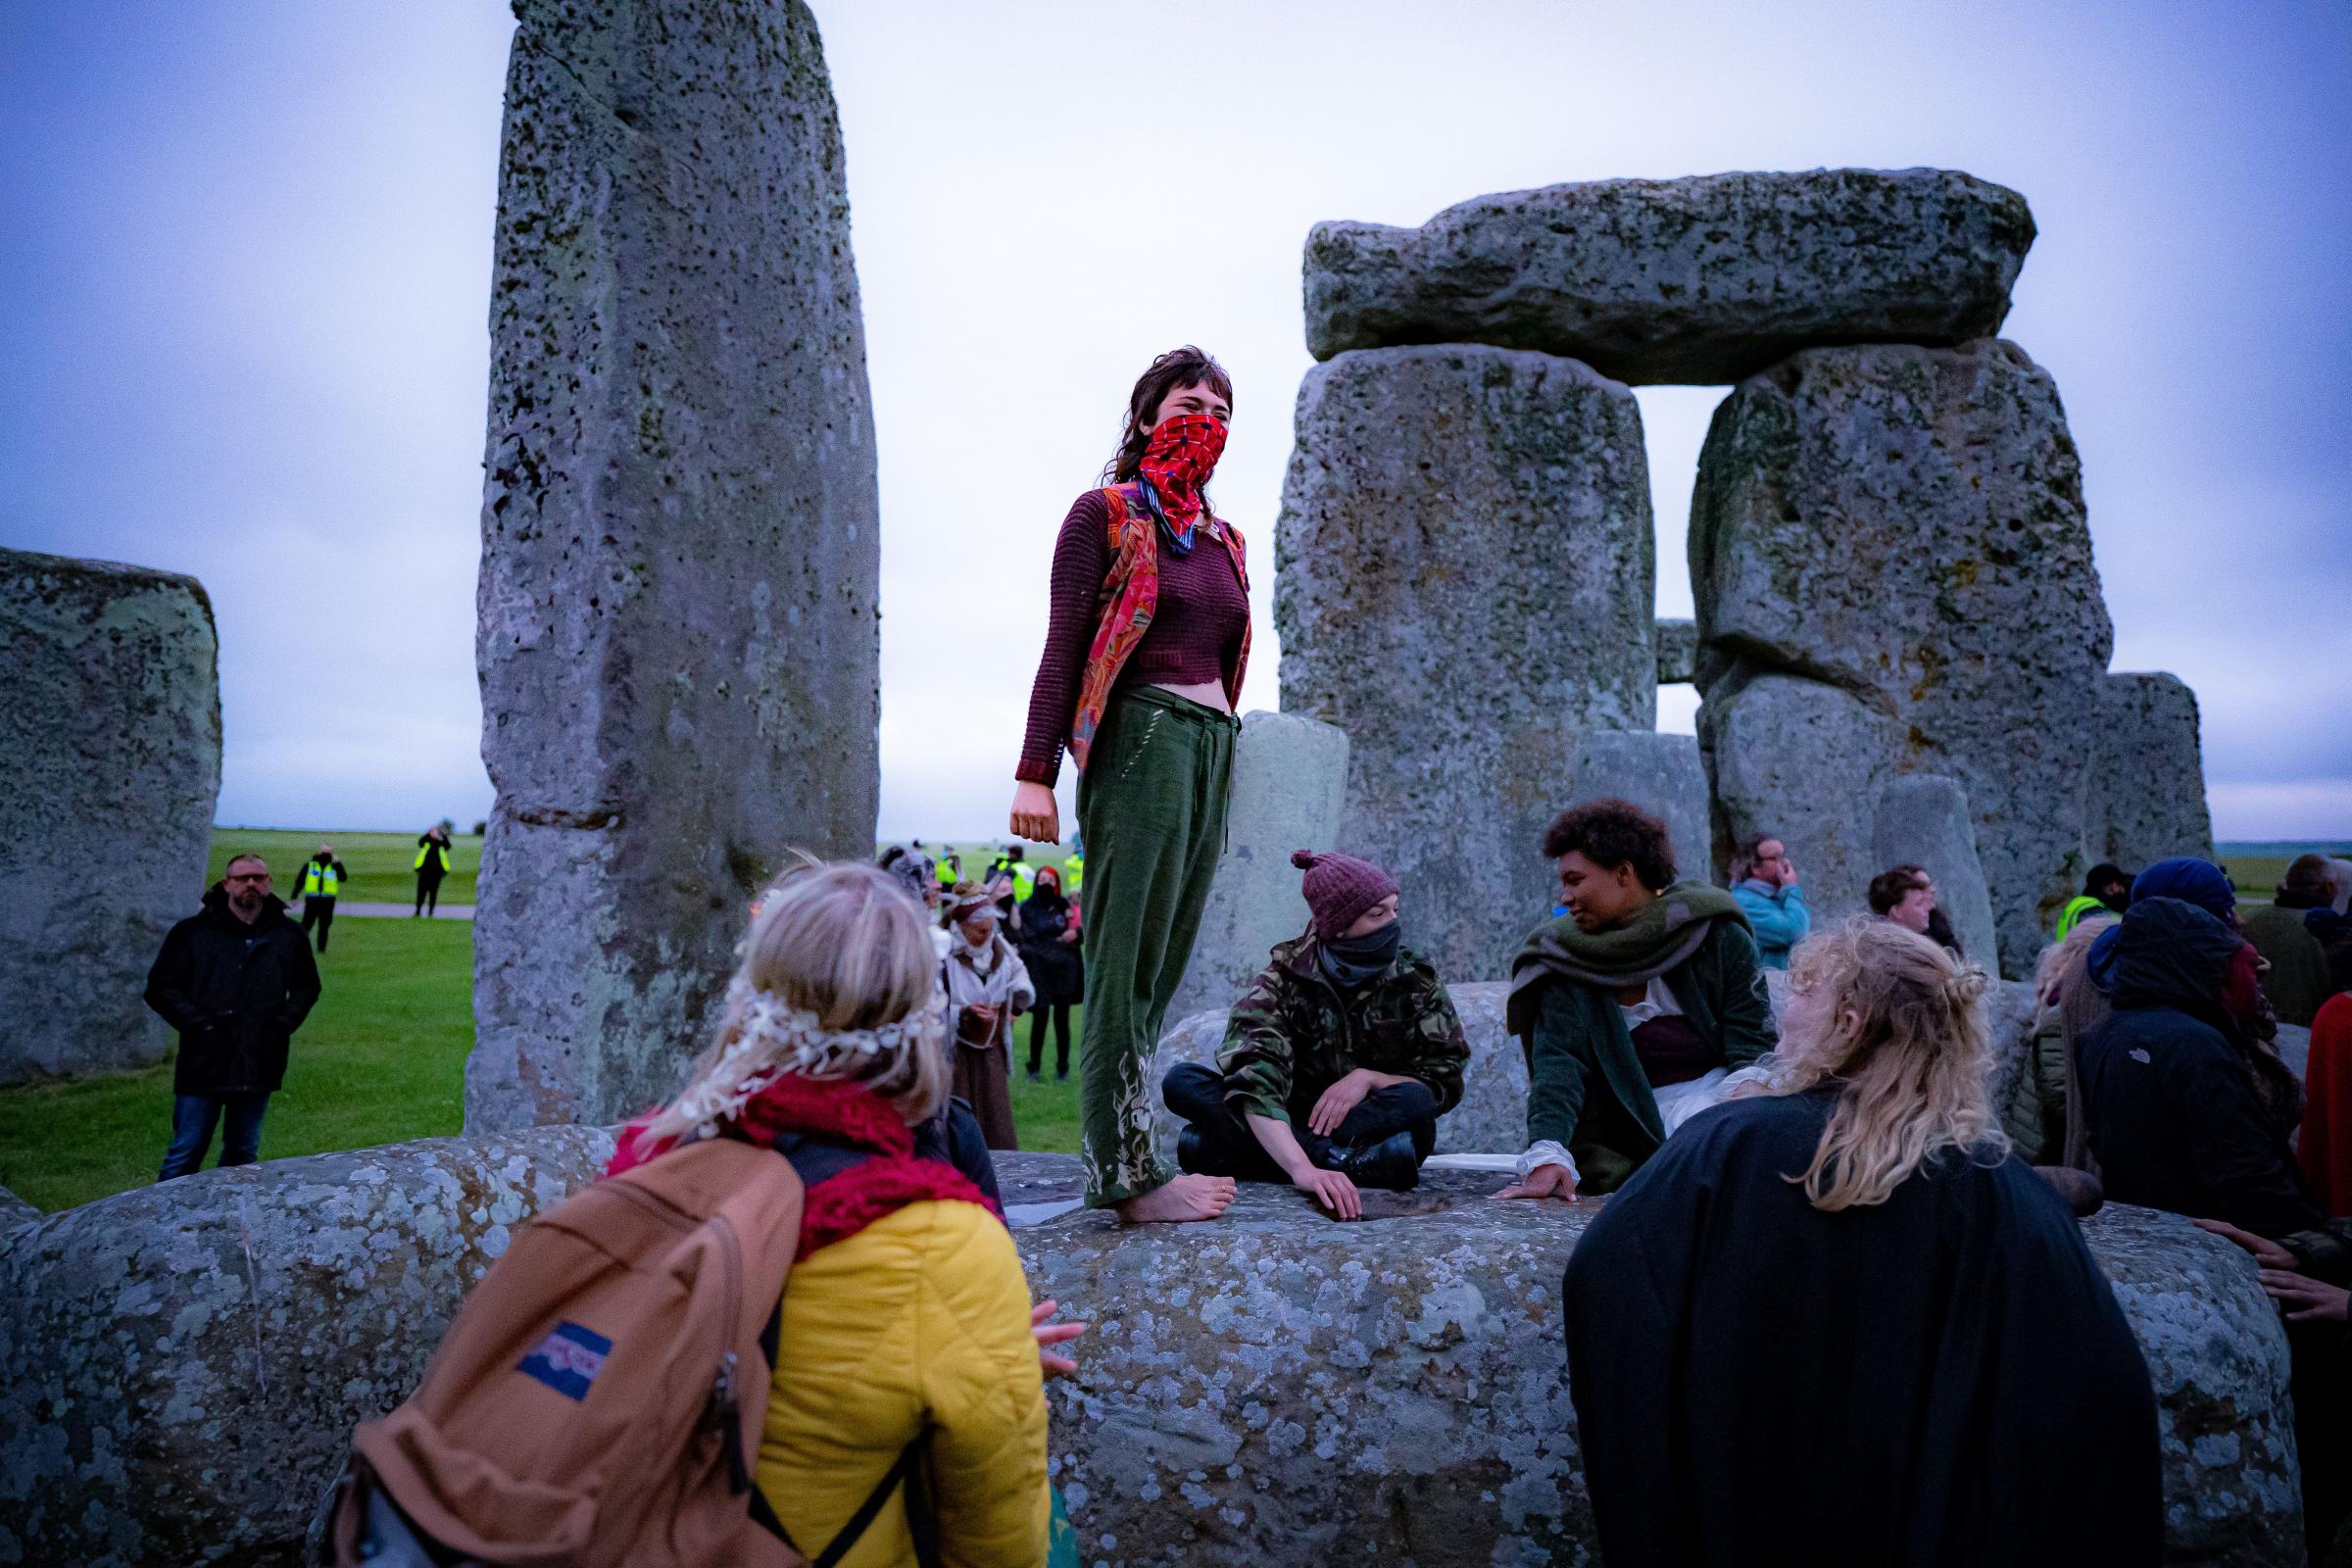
{"points": [[919, 1321]]}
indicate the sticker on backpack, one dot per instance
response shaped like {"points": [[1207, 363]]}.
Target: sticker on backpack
{"points": [[569, 1359]]}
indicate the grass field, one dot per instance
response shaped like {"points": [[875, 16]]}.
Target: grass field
{"points": [[382, 1058], [383, 866]]}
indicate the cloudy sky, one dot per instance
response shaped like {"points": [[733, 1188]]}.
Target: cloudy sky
{"points": [[244, 273]]}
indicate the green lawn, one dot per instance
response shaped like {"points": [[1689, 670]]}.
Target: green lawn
{"points": [[383, 866], [381, 1058]]}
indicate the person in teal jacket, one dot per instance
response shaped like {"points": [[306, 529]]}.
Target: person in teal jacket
{"points": [[1634, 1009], [1764, 881]]}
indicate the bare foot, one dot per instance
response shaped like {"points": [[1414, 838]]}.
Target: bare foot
{"points": [[1187, 1197]]}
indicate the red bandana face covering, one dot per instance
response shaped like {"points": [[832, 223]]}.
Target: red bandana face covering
{"points": [[1182, 454]]}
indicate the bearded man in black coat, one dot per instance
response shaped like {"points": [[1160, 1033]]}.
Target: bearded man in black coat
{"points": [[236, 980]]}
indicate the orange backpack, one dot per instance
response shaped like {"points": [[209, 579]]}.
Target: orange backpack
{"points": [[600, 1398]]}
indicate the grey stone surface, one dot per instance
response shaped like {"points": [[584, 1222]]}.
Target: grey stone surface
{"points": [[678, 636], [1678, 651], [15, 1214], [1797, 760], [1905, 524], [2294, 1047], [1664, 774], [1289, 776], [1463, 582], [1277, 1388], [1922, 819], [1705, 279], [2148, 790], [182, 1365], [110, 728], [1492, 1118]]}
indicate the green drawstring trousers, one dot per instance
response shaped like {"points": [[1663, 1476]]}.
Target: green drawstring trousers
{"points": [[1152, 806]]}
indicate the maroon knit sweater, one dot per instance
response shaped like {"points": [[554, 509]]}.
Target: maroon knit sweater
{"points": [[1194, 636]]}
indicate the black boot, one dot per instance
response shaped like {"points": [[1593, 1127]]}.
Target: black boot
{"points": [[1187, 1152], [1393, 1163]]}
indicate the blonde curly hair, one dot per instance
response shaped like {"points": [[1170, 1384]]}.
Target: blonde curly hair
{"points": [[1900, 1026], [839, 981]]}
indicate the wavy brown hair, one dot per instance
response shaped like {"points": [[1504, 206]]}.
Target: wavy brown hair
{"points": [[1898, 1025], [1172, 372]]}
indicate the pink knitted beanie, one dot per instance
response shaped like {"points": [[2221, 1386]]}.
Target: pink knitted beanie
{"points": [[1339, 888]]}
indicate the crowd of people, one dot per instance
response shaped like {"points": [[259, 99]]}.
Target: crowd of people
{"points": [[1837, 1306]]}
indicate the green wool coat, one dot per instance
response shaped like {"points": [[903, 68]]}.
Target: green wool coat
{"points": [[1586, 1086]]}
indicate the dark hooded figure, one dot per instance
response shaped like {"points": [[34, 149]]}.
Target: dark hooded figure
{"points": [[1835, 1323], [2188, 1112]]}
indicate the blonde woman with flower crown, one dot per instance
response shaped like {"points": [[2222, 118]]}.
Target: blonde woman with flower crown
{"points": [[1835, 1321], [906, 1316]]}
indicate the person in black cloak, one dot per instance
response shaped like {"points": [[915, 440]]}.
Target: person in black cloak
{"points": [[1823, 1324]]}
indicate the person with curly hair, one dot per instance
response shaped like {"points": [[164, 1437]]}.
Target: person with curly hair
{"points": [[1146, 646], [1836, 1320], [1633, 1008]]}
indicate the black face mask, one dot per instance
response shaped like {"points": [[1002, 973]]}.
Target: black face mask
{"points": [[1350, 962]]}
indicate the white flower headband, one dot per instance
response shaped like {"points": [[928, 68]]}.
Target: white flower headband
{"points": [[792, 1040]]}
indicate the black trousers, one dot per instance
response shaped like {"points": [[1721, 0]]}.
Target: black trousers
{"points": [[320, 912], [1227, 1148], [428, 897], [1060, 1012]]}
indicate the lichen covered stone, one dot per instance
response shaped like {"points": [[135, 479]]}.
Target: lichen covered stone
{"points": [[110, 728]]}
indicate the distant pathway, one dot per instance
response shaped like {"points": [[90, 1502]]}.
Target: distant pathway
{"points": [[399, 911]]}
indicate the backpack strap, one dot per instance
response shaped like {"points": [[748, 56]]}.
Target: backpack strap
{"points": [[868, 1509]]}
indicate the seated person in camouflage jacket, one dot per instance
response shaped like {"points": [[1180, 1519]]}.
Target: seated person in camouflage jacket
{"points": [[1337, 1061]]}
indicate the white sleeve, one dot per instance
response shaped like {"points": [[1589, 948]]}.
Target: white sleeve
{"points": [[1546, 1152]]}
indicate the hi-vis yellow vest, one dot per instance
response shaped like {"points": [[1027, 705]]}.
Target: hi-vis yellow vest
{"points": [[318, 881], [1073, 873], [440, 855]]}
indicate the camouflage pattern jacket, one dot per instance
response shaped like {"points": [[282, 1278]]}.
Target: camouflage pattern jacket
{"points": [[1294, 1034]]}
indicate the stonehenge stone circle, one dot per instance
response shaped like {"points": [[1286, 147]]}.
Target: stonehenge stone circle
{"points": [[1664, 774], [1922, 819], [1289, 776], [1905, 525], [1708, 279], [109, 720], [678, 638], [181, 1366], [1464, 568], [2148, 790]]}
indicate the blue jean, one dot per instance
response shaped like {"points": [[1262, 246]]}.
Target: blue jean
{"points": [[193, 1117]]}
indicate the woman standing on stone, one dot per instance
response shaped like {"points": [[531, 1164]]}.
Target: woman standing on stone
{"points": [[1146, 644]]}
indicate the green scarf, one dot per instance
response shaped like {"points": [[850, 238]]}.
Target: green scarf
{"points": [[1662, 936]]}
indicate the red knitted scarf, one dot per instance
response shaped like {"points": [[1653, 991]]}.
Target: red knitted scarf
{"points": [[836, 1113]]}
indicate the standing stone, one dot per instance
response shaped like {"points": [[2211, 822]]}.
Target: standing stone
{"points": [[1678, 651], [110, 724], [1463, 582], [678, 641], [1905, 524], [1700, 280], [1798, 760], [1289, 776], [1922, 820], [2148, 790], [1660, 773]]}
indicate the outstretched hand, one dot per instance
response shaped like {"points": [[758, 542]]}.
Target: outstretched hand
{"points": [[2267, 1253], [1333, 1191], [1048, 1333], [2303, 1297], [1545, 1181]]}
